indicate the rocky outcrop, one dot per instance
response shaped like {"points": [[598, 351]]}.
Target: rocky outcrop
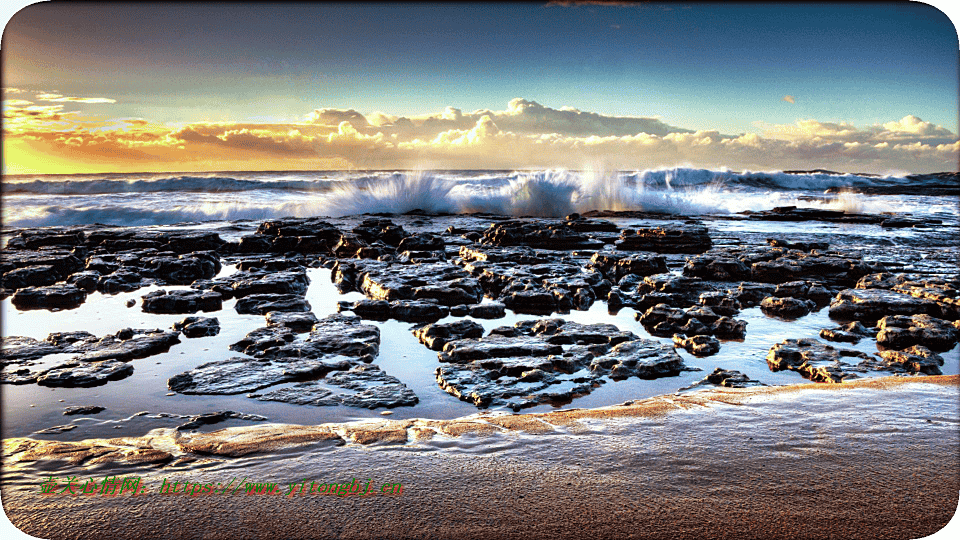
{"points": [[53, 297], [195, 327], [697, 345], [690, 237], [902, 331], [162, 301]]}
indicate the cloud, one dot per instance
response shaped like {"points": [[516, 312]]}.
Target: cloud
{"points": [[60, 98], [525, 134], [788, 98]]}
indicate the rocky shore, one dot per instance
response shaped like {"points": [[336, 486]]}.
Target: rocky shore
{"points": [[682, 285]]}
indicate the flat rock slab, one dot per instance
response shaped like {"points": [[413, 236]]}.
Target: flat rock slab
{"points": [[83, 409], [85, 374], [697, 345], [916, 359], [371, 388], [128, 345], [549, 360], [786, 308], [401, 310], [336, 334], [849, 333], [820, 362], [181, 301], [539, 233], [284, 282], [874, 304], [239, 375], [216, 417], [195, 327], [435, 336], [50, 297], [261, 304], [298, 322], [902, 331], [685, 238], [665, 321]]}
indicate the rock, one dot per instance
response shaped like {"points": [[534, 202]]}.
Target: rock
{"points": [[538, 233], [730, 379], [916, 359], [29, 276], [182, 269], [85, 374], [401, 310], [549, 360], [55, 430], [380, 230], [298, 322], [15, 349], [436, 335], [874, 304], [83, 409], [787, 308], [902, 331], [802, 246], [257, 342], [217, 417], [239, 375], [615, 266], [128, 345], [85, 280], [720, 303], [850, 333], [421, 242], [50, 297], [283, 282], [372, 389], [685, 238], [663, 320], [162, 301], [814, 360], [122, 280], [195, 327], [697, 345], [490, 310], [261, 304]]}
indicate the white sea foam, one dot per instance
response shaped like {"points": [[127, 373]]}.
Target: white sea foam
{"points": [[161, 200]]}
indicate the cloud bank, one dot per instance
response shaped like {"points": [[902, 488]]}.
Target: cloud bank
{"points": [[525, 134]]}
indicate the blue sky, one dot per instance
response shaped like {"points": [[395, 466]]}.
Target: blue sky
{"points": [[723, 67]]}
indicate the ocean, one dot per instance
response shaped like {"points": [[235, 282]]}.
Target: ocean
{"points": [[141, 199]]}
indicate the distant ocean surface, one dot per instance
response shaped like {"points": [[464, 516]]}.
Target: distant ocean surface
{"points": [[168, 199]]}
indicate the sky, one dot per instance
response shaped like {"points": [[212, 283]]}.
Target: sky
{"points": [[152, 87]]}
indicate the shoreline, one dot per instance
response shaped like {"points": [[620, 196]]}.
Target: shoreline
{"points": [[674, 468]]}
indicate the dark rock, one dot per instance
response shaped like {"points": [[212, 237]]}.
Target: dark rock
{"points": [[421, 242], [162, 301], [435, 336], [257, 342], [663, 320], [615, 265], [902, 331], [802, 246], [84, 280], [15, 349], [195, 327], [401, 310], [261, 304], [128, 344], [283, 282], [787, 308], [490, 310], [685, 238], [85, 374], [50, 297], [730, 379], [372, 389], [239, 375], [380, 230], [30, 276], [916, 359], [217, 417], [814, 360], [538, 233], [298, 322], [697, 345], [83, 409], [849, 333], [874, 304]]}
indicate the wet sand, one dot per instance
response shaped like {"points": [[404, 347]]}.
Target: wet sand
{"points": [[871, 459]]}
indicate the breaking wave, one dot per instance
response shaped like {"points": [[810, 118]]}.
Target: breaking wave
{"points": [[130, 200]]}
